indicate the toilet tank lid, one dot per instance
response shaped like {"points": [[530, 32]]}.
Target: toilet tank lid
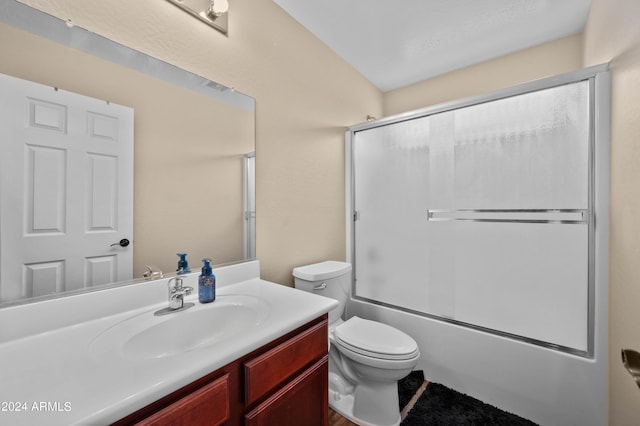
{"points": [[322, 270]]}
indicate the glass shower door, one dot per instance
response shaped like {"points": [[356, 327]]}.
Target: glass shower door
{"points": [[391, 166], [481, 215]]}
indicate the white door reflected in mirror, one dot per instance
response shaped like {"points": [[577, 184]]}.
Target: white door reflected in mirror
{"points": [[70, 194]]}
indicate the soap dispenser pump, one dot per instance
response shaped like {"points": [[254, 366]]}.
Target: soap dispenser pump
{"points": [[206, 283], [183, 265]]}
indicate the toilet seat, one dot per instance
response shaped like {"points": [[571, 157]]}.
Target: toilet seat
{"points": [[376, 340]]}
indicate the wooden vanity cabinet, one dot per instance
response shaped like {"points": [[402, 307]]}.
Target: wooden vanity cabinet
{"points": [[282, 383]]}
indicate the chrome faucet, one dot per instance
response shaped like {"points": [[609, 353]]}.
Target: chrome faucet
{"points": [[152, 273], [176, 297], [177, 293]]}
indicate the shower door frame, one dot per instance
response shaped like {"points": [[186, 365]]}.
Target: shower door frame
{"points": [[598, 78]]}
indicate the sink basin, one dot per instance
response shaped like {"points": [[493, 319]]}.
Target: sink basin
{"points": [[147, 336]]}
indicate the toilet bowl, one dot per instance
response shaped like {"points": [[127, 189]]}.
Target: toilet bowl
{"points": [[366, 358]]}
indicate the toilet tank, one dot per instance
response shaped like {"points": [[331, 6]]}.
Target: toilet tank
{"points": [[330, 279]]}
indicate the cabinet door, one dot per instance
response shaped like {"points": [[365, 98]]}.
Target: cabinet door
{"points": [[303, 401], [208, 406]]}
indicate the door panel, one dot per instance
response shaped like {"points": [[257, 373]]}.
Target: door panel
{"points": [[66, 190]]}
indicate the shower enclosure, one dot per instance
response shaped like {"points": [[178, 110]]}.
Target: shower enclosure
{"points": [[488, 215]]}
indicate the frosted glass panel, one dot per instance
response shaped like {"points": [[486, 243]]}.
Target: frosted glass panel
{"points": [[440, 193], [492, 255], [527, 151], [392, 166], [524, 279]]}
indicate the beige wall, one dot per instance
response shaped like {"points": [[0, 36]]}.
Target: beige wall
{"points": [[306, 97], [538, 62], [612, 34]]}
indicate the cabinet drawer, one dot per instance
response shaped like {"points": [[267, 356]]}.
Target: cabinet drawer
{"points": [[303, 401], [208, 405], [276, 366]]}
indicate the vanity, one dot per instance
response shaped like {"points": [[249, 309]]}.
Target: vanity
{"points": [[255, 356]]}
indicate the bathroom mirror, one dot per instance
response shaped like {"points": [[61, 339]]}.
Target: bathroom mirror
{"points": [[193, 153]]}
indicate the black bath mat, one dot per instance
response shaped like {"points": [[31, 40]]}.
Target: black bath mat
{"points": [[441, 406], [408, 387]]}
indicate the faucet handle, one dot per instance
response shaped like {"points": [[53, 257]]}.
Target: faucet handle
{"points": [[178, 281], [177, 284], [178, 287]]}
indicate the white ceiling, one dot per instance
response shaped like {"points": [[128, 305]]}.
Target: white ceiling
{"points": [[397, 43]]}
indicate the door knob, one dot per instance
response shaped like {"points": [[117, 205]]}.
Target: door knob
{"points": [[122, 243]]}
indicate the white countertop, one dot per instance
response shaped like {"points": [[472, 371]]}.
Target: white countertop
{"points": [[51, 378]]}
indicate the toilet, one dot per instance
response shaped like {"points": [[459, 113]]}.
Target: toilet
{"points": [[366, 358]]}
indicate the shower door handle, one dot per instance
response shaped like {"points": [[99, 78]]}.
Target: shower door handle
{"points": [[556, 216]]}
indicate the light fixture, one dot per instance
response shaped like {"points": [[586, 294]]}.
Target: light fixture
{"points": [[216, 9], [211, 12]]}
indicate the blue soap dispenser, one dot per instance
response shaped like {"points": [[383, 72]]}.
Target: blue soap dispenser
{"points": [[183, 265], [206, 283]]}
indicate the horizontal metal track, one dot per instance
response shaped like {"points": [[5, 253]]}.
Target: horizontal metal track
{"points": [[551, 216]]}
